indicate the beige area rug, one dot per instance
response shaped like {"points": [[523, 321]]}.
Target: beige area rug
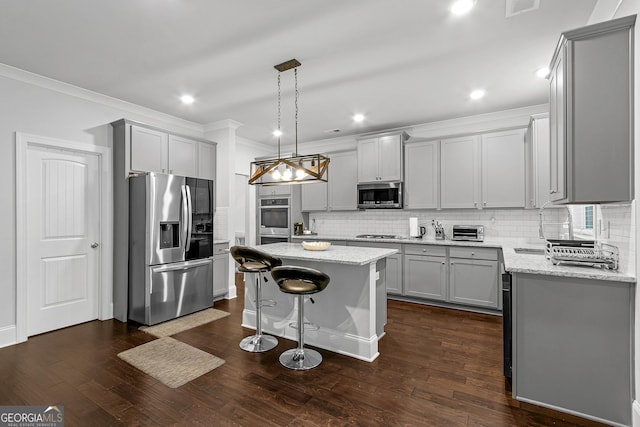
{"points": [[172, 327], [170, 361]]}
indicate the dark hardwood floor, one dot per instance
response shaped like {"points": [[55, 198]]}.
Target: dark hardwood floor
{"points": [[437, 367]]}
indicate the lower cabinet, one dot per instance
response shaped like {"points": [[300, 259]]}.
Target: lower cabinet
{"points": [[468, 276], [220, 269], [573, 345], [425, 272], [473, 276]]}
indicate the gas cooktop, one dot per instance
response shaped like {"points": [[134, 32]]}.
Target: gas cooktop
{"points": [[377, 236]]}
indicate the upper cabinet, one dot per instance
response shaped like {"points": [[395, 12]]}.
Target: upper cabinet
{"points": [[460, 170], [140, 148], [503, 179], [183, 156], [339, 193], [149, 150], [422, 175], [537, 161], [483, 171], [591, 114], [343, 181], [380, 158]]}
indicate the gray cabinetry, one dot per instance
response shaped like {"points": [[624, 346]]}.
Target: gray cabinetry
{"points": [[503, 179], [339, 194], [537, 161], [314, 196], [425, 272], [220, 269], [473, 276], [343, 181], [459, 183], [394, 265], [148, 150], [572, 345], [274, 190], [380, 158], [591, 114], [422, 175]]}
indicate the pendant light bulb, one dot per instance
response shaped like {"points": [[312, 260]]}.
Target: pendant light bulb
{"points": [[276, 175], [277, 133], [300, 173], [287, 174]]}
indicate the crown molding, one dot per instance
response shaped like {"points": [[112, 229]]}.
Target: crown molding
{"points": [[34, 79], [222, 124]]}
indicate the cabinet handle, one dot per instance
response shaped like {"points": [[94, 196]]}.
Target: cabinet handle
{"points": [[451, 263], [485, 203], [475, 203], [443, 263], [162, 170], [473, 253]]}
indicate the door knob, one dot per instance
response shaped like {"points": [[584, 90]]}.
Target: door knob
{"points": [[95, 245]]}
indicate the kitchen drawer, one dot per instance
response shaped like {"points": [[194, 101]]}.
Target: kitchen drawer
{"points": [[474, 253], [220, 248], [384, 245], [425, 250]]}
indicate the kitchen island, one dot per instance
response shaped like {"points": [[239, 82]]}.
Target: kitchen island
{"points": [[350, 313]]}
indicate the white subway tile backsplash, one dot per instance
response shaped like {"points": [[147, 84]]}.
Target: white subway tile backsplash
{"points": [[615, 224]]}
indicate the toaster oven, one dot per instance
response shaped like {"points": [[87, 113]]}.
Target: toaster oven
{"points": [[473, 233]]}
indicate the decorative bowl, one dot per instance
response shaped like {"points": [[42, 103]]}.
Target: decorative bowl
{"points": [[316, 246]]}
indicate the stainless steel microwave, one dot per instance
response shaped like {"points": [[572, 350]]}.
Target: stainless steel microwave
{"points": [[380, 195]]}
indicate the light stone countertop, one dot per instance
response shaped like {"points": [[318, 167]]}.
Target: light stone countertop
{"points": [[220, 241], [351, 255], [513, 262]]}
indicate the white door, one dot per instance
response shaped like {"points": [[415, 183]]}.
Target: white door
{"points": [[63, 254]]}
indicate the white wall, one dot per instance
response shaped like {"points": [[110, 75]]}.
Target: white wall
{"points": [[40, 106]]}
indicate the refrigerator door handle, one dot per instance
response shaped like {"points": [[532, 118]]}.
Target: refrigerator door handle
{"points": [[189, 218], [184, 220], [181, 266]]}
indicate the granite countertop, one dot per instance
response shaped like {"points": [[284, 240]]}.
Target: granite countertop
{"points": [[351, 255], [513, 262]]}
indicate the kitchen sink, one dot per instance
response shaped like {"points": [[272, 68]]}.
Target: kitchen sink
{"points": [[529, 251]]}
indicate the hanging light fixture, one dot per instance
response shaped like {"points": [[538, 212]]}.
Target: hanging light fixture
{"points": [[295, 169]]}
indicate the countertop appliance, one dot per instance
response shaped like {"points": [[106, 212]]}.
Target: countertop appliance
{"points": [[380, 195], [170, 246], [274, 217], [474, 233]]}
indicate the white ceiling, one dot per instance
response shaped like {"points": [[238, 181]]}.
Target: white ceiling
{"points": [[399, 62]]}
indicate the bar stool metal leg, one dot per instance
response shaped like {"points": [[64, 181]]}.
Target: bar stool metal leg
{"points": [[300, 358], [258, 343]]}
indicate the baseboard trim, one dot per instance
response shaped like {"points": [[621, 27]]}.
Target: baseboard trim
{"points": [[635, 414], [8, 336]]}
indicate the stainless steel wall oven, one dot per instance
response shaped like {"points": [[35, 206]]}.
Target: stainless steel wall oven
{"points": [[274, 219]]}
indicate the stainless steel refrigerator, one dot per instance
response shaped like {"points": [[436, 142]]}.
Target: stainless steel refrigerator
{"points": [[170, 246]]}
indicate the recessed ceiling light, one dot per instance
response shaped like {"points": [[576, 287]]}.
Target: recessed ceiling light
{"points": [[543, 72], [187, 99], [477, 94], [358, 118], [277, 132], [460, 7]]}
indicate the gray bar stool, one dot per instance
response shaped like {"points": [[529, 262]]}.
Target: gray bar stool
{"points": [[300, 281], [252, 260]]}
